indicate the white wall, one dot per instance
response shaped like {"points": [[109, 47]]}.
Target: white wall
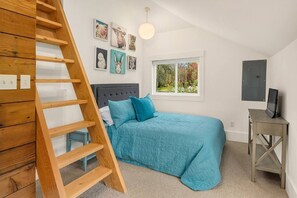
{"points": [[223, 67], [223, 71], [80, 16], [283, 72], [53, 92]]}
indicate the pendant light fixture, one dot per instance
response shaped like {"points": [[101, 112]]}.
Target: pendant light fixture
{"points": [[146, 30]]}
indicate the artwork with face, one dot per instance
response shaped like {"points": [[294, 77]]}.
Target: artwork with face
{"points": [[101, 59], [131, 42], [117, 62], [100, 30], [118, 36], [131, 60]]}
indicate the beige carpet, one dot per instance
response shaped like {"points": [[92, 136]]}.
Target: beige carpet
{"points": [[145, 183]]}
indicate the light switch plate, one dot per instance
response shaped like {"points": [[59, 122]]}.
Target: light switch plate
{"points": [[8, 82], [25, 81]]}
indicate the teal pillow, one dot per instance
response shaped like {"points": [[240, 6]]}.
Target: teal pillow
{"points": [[148, 96], [144, 107], [121, 111]]}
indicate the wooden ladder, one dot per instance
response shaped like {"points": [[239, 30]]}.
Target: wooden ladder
{"points": [[52, 28]]}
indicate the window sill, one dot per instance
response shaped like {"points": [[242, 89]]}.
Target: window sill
{"points": [[194, 98]]}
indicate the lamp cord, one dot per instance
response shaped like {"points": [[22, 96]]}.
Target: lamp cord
{"points": [[147, 9]]}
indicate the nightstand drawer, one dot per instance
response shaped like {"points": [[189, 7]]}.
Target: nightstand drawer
{"points": [[269, 129]]}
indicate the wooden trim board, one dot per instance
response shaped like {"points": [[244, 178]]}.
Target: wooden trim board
{"points": [[22, 25], [15, 46], [17, 180], [17, 113], [25, 7], [16, 157], [17, 135]]}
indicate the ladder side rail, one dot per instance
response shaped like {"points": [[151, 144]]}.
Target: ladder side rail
{"points": [[46, 163], [90, 111]]}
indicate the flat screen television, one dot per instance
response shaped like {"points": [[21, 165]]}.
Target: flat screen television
{"points": [[272, 103]]}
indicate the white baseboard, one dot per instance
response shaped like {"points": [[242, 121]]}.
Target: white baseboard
{"points": [[291, 188], [237, 136]]}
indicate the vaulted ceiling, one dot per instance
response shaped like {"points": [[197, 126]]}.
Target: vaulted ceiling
{"points": [[162, 19], [263, 25]]}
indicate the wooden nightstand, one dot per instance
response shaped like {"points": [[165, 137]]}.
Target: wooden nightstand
{"points": [[79, 136], [263, 155]]}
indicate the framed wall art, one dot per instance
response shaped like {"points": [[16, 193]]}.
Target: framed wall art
{"points": [[131, 62], [100, 59], [118, 36], [100, 30], [132, 42], [117, 62]]}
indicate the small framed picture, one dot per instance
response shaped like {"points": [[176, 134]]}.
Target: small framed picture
{"points": [[131, 61], [101, 59], [132, 42], [117, 62], [118, 36], [100, 30]]}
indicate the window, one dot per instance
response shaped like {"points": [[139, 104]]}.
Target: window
{"points": [[178, 77]]}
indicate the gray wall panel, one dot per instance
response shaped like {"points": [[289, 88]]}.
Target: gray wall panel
{"points": [[254, 80]]}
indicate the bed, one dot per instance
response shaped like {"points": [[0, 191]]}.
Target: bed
{"points": [[186, 146]]}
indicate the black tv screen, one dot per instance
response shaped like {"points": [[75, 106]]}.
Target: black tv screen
{"points": [[272, 103]]}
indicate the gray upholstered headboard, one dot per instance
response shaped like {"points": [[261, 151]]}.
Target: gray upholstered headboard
{"points": [[115, 92]]}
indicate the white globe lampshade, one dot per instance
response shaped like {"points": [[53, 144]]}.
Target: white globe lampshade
{"points": [[146, 31]]}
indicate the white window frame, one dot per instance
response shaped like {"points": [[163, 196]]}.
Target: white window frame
{"points": [[174, 59]]}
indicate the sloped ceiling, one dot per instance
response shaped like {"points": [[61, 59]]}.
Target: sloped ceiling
{"points": [[162, 19], [263, 25]]}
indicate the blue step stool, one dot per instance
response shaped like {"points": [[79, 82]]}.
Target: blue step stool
{"points": [[79, 136]]}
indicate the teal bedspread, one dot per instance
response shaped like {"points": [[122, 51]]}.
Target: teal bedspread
{"points": [[186, 146]]}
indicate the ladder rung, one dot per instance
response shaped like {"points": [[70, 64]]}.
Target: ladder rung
{"points": [[62, 130], [85, 182], [50, 40], [58, 81], [77, 154], [54, 59], [48, 23], [45, 7], [49, 105]]}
